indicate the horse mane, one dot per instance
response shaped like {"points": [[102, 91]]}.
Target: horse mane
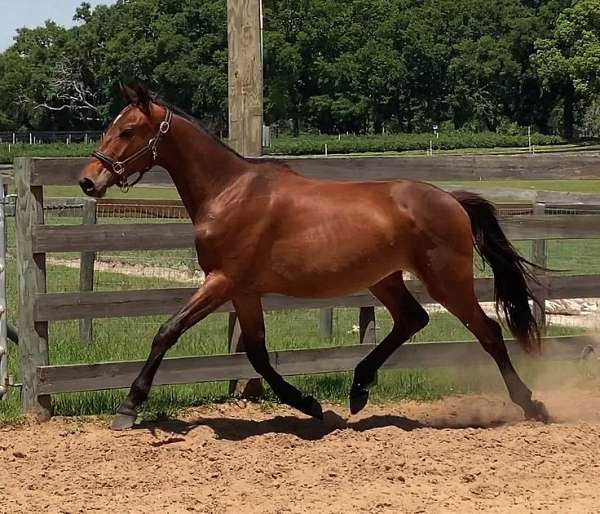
{"points": [[196, 123], [201, 127]]}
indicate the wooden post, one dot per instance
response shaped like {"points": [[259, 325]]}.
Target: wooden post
{"points": [[245, 110], [31, 273], [539, 257], [252, 388], [245, 77], [3, 314], [366, 324], [86, 269], [326, 323], [234, 344]]}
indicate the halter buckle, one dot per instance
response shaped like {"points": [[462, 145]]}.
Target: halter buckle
{"points": [[164, 127]]}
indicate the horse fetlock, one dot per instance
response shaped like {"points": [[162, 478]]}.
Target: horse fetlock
{"points": [[364, 379], [537, 411], [312, 407]]}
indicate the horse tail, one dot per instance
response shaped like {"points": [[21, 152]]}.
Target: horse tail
{"points": [[511, 271]]}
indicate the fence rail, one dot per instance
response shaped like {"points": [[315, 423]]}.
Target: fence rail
{"points": [[576, 165], [115, 375], [37, 308], [113, 304]]}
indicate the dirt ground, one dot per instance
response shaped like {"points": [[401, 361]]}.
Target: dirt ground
{"points": [[462, 454]]}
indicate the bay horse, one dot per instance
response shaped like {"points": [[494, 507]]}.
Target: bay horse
{"points": [[262, 228]]}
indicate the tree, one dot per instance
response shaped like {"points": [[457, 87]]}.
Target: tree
{"points": [[569, 60]]}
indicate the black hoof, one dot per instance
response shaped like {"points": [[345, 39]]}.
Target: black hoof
{"points": [[537, 411], [124, 420], [358, 400], [313, 408]]}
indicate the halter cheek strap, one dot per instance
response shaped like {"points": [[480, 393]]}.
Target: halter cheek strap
{"points": [[118, 168]]}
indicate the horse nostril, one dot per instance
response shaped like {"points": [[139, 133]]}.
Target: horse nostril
{"points": [[87, 185]]}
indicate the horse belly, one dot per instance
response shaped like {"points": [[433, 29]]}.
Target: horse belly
{"points": [[336, 265]]}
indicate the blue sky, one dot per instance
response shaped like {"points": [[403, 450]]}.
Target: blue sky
{"points": [[33, 13]]}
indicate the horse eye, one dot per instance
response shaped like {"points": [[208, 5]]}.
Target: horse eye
{"points": [[125, 134]]}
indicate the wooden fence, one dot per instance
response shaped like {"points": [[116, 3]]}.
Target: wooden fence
{"points": [[37, 308]]}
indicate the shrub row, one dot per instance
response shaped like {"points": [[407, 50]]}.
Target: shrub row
{"points": [[44, 150], [311, 144], [305, 145]]}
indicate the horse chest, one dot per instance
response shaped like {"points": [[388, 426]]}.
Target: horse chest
{"points": [[208, 234]]}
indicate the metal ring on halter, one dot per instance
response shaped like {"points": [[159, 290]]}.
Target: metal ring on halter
{"points": [[118, 168], [164, 127]]}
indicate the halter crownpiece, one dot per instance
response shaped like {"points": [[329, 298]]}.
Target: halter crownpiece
{"points": [[118, 167]]}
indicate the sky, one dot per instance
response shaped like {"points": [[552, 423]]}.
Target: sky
{"points": [[15, 14]]}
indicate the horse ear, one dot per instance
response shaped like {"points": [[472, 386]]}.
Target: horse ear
{"points": [[143, 96], [128, 93], [136, 95]]}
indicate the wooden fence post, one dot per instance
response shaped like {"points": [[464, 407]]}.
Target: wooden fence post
{"points": [[86, 269], [245, 76], [366, 324], [246, 389], [4, 380], [244, 40], [31, 273], [326, 323], [538, 256]]}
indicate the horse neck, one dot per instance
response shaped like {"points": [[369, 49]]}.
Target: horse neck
{"points": [[200, 166]]}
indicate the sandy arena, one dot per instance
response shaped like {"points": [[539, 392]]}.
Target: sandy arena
{"points": [[464, 454]]}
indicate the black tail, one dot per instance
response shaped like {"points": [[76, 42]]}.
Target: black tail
{"points": [[511, 290]]}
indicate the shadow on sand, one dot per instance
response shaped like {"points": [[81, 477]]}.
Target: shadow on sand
{"points": [[235, 429]]}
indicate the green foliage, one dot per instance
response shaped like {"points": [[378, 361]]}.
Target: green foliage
{"points": [[44, 150], [572, 53], [330, 65], [405, 142], [315, 144], [568, 60]]}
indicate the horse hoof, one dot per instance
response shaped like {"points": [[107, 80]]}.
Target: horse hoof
{"points": [[358, 400], [122, 422], [314, 408], [538, 412]]}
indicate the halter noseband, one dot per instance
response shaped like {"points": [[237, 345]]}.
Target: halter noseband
{"points": [[117, 168]]}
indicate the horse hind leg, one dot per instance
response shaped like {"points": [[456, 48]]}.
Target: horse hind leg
{"points": [[457, 294], [409, 317]]}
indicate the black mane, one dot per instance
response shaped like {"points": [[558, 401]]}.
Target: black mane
{"points": [[200, 126], [197, 123]]}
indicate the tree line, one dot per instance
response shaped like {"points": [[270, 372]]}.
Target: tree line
{"points": [[330, 66]]}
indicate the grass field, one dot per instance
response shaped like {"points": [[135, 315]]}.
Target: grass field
{"points": [[161, 193]]}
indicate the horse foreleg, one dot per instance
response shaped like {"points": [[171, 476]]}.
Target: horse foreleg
{"points": [[250, 315], [213, 293]]}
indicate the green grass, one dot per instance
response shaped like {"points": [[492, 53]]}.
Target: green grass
{"points": [[139, 192], [570, 186]]}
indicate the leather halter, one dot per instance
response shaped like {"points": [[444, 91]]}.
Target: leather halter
{"points": [[118, 168]]}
